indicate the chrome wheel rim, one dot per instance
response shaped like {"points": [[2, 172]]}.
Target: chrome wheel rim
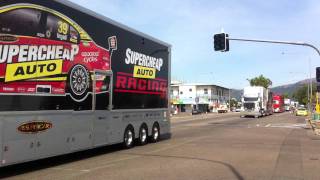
{"points": [[79, 80], [143, 135], [155, 133], [129, 138]]}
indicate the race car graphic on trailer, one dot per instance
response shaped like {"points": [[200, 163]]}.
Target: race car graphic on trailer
{"points": [[44, 52]]}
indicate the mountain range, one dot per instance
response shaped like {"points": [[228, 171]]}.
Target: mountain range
{"points": [[288, 88]]}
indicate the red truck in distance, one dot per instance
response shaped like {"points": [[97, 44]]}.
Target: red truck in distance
{"points": [[278, 103]]}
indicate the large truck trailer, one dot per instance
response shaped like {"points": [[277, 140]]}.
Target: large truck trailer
{"points": [[278, 103], [256, 101], [72, 80]]}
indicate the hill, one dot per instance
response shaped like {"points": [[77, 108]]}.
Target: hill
{"points": [[288, 88]]}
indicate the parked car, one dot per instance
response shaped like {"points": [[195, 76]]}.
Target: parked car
{"points": [[301, 112], [238, 109], [196, 111]]}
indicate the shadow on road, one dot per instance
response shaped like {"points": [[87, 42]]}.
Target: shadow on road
{"points": [[229, 166], [27, 167]]}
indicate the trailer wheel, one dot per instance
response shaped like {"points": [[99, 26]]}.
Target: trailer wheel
{"points": [[128, 137], [143, 134], [155, 133], [78, 82]]}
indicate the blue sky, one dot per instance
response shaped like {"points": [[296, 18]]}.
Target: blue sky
{"points": [[190, 25]]}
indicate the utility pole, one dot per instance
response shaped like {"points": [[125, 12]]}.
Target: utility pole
{"points": [[310, 82], [229, 101]]}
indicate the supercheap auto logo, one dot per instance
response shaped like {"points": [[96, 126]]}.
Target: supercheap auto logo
{"points": [[34, 61], [143, 80], [145, 66]]}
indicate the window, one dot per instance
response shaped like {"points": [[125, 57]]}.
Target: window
{"points": [[250, 99], [205, 91], [59, 29], [20, 22]]}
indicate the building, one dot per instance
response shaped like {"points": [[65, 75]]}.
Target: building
{"points": [[205, 97]]}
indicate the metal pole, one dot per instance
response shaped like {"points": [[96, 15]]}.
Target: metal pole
{"points": [[229, 101], [308, 96], [310, 81], [277, 42]]}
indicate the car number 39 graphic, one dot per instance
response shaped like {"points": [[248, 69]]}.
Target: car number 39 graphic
{"points": [[44, 51]]}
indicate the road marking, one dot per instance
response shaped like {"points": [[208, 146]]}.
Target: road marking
{"points": [[288, 125], [70, 169]]}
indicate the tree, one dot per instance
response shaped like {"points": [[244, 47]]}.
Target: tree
{"points": [[301, 94], [260, 81], [286, 95], [233, 102]]}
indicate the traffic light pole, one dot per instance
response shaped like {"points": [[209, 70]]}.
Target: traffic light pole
{"points": [[277, 42], [284, 42]]}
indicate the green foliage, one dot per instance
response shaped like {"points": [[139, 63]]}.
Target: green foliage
{"points": [[286, 95], [260, 81], [301, 94], [233, 102]]}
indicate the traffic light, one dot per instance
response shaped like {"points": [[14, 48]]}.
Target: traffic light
{"points": [[318, 74], [221, 42]]}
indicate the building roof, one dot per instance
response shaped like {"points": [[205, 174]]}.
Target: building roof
{"points": [[197, 84]]}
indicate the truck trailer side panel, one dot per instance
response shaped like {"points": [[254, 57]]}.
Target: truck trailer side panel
{"points": [[71, 80]]}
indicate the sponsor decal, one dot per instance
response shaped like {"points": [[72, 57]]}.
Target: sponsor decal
{"points": [[144, 72], [34, 126], [58, 91], [27, 53], [140, 59], [29, 70], [21, 89], [8, 38], [8, 89], [143, 79], [73, 35], [90, 56], [126, 83], [31, 90]]}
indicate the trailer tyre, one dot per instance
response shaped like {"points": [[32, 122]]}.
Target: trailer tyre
{"points": [[128, 137], [143, 134], [78, 82], [155, 133]]}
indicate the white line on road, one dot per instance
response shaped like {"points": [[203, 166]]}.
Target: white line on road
{"points": [[70, 169]]}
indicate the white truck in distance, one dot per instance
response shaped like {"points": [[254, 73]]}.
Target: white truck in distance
{"points": [[256, 101], [287, 104]]}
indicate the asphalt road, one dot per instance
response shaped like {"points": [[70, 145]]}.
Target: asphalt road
{"points": [[214, 146]]}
